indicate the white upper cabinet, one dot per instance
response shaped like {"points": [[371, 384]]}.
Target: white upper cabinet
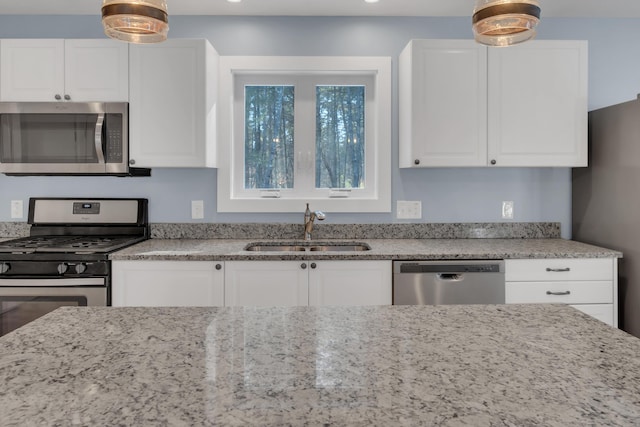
{"points": [[538, 104], [464, 104], [443, 103], [44, 70], [172, 109]]}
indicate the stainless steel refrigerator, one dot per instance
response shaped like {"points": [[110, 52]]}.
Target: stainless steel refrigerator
{"points": [[606, 199]]}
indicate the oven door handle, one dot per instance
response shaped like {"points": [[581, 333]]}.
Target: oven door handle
{"points": [[98, 138], [51, 283]]}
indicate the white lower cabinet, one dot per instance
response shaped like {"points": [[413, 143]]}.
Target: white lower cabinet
{"points": [[167, 283], [292, 283], [266, 283], [590, 285], [350, 283]]}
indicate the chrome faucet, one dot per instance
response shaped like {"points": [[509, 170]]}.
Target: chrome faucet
{"points": [[309, 217]]}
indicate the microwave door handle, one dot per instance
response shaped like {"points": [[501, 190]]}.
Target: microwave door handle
{"points": [[98, 138]]}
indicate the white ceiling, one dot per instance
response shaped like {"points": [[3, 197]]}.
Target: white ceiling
{"points": [[550, 8]]}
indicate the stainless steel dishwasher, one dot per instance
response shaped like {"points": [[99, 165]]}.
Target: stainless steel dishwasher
{"points": [[448, 282]]}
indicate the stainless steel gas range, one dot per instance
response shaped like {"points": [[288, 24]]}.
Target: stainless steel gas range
{"points": [[65, 260]]}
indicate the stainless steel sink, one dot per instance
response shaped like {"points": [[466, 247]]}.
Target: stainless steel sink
{"points": [[274, 248], [341, 248], [307, 246]]}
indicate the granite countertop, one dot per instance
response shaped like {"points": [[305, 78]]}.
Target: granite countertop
{"points": [[389, 249], [512, 365]]}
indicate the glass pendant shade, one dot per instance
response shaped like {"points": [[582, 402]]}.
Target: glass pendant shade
{"points": [[505, 22], [136, 21]]}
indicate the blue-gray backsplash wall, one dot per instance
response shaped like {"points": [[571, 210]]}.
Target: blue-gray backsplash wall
{"points": [[447, 195]]}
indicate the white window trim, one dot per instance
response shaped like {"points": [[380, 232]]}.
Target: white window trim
{"points": [[380, 67]]}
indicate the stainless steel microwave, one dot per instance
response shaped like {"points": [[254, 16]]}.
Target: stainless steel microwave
{"points": [[64, 138]]}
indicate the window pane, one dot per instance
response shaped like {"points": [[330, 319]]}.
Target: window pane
{"points": [[340, 144], [268, 141]]}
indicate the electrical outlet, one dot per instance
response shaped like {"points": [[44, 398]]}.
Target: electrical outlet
{"points": [[16, 209], [197, 209], [507, 210], [408, 209]]}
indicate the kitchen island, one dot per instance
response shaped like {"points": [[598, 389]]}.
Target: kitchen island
{"points": [[391, 365]]}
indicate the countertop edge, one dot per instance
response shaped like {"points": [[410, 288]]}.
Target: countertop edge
{"points": [[381, 249]]}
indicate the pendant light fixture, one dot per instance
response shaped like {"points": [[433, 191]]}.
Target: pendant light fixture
{"points": [[135, 21], [505, 22]]}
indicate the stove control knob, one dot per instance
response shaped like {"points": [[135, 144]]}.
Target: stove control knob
{"points": [[80, 268], [4, 267], [63, 267]]}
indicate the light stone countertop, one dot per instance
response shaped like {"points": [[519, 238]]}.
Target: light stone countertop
{"points": [[387, 249], [507, 365]]}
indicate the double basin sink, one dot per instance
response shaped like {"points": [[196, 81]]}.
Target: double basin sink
{"points": [[308, 246]]}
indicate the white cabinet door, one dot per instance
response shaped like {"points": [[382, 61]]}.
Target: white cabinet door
{"points": [[538, 104], [31, 70], [172, 104], [266, 283], [49, 70], [96, 70], [443, 103], [167, 283], [350, 283]]}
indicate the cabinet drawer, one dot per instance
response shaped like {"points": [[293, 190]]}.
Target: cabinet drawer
{"points": [[558, 269], [602, 312], [600, 292]]}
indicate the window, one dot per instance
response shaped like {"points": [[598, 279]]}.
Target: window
{"points": [[304, 129]]}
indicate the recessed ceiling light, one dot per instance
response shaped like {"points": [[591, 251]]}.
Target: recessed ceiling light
{"points": [[371, 1], [234, 1]]}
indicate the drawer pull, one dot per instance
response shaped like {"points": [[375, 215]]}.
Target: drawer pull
{"points": [[558, 270], [559, 293]]}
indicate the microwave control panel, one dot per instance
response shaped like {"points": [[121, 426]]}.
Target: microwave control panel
{"points": [[113, 138]]}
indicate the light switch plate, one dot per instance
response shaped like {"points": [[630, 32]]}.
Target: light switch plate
{"points": [[507, 210], [17, 209], [406, 209], [197, 209]]}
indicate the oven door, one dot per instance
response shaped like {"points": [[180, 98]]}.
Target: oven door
{"points": [[24, 300]]}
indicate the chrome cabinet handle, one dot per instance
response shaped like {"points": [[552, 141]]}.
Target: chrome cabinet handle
{"points": [[67, 97], [559, 293], [303, 266], [58, 97], [313, 265], [558, 270], [218, 267]]}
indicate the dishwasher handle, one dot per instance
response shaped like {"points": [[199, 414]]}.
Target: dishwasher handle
{"points": [[450, 277]]}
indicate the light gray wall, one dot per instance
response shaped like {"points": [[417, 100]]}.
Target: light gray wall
{"points": [[448, 195]]}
